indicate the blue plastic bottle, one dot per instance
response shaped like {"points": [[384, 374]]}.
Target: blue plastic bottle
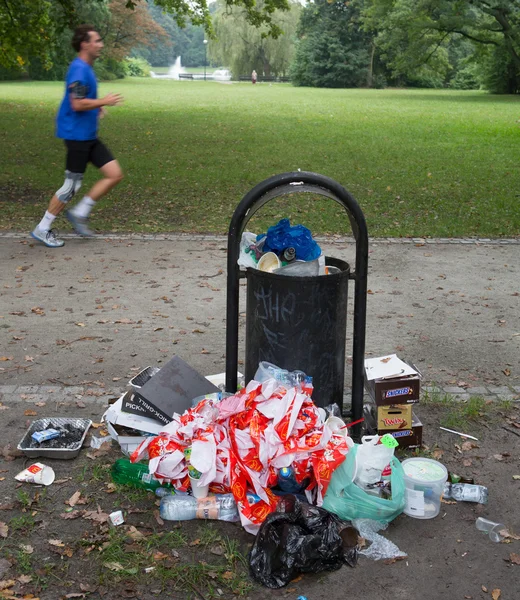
{"points": [[287, 481]]}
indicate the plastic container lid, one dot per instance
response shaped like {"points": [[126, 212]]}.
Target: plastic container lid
{"points": [[425, 470]]}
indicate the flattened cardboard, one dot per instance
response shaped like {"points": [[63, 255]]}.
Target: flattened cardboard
{"points": [[394, 417], [170, 391], [115, 415], [124, 427]]}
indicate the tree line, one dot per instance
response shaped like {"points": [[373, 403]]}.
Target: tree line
{"points": [[325, 43]]}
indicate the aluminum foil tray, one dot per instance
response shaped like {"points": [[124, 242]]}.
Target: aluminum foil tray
{"points": [[60, 453]]}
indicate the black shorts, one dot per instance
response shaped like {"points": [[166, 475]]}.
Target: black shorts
{"points": [[79, 154]]}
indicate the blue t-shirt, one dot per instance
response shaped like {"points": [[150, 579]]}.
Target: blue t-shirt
{"points": [[81, 125]]}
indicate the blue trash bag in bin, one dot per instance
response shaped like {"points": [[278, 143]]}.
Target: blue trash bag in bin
{"points": [[283, 235], [348, 501]]}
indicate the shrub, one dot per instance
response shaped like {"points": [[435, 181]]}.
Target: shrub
{"points": [[137, 67]]}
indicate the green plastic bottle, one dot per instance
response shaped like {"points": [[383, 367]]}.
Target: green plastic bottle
{"points": [[135, 475]]}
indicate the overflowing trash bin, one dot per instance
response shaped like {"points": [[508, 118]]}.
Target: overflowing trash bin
{"points": [[299, 322]]}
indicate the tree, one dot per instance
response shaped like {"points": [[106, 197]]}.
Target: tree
{"points": [[333, 50], [244, 47], [33, 27], [411, 33], [125, 30], [186, 42]]}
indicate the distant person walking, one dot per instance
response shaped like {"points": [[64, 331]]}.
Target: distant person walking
{"points": [[253, 77], [77, 124]]}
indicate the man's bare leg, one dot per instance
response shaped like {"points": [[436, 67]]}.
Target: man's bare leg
{"points": [[78, 215]]}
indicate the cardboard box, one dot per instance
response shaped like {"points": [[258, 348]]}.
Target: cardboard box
{"points": [[389, 380], [408, 438], [397, 390], [394, 417], [169, 391], [127, 429]]}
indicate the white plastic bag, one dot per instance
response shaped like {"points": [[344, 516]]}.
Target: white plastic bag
{"points": [[246, 259], [371, 460]]}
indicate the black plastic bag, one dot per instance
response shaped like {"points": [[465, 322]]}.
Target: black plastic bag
{"points": [[300, 538]]}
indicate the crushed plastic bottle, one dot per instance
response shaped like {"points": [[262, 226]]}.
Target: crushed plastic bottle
{"points": [[466, 492]]}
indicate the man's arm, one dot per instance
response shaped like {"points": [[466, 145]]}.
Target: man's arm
{"points": [[82, 104]]}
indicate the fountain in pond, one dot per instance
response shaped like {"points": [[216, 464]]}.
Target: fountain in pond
{"points": [[177, 68], [173, 71]]}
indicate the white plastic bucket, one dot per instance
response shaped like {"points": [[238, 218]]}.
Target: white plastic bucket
{"points": [[424, 480]]}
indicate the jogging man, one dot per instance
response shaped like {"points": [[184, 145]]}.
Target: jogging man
{"points": [[77, 125]]}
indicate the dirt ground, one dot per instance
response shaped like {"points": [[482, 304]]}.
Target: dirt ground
{"points": [[48, 554]]}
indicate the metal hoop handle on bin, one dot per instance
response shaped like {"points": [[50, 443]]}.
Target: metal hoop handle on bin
{"points": [[280, 185]]}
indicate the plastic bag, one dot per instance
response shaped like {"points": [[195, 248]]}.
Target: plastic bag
{"points": [[371, 460], [246, 257], [380, 548], [345, 499], [301, 538], [282, 236]]}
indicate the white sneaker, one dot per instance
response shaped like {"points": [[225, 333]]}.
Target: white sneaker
{"points": [[47, 237], [80, 224]]}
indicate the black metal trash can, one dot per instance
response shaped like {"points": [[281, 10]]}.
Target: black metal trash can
{"points": [[300, 323], [276, 329]]}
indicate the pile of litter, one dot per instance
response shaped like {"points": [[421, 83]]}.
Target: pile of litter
{"points": [[238, 445]]}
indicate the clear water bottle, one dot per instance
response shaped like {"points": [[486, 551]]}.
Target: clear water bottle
{"points": [[466, 492], [220, 507]]}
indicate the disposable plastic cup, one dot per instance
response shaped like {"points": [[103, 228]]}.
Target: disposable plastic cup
{"points": [[491, 528], [337, 425], [424, 480], [269, 262], [197, 490]]}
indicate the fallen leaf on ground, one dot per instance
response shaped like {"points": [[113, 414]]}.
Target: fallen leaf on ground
{"points": [[23, 579], [195, 542], [73, 500], [30, 413], [516, 477], [437, 453], [96, 515], [468, 446], [6, 583], [4, 529], [514, 558], [496, 593], [391, 561], [227, 575], [157, 516], [27, 548], [57, 543], [507, 534], [160, 556], [484, 589], [135, 534]]}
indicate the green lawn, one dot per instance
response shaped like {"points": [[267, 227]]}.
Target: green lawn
{"points": [[420, 163]]}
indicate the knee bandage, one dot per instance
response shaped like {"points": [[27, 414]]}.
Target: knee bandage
{"points": [[70, 186]]}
